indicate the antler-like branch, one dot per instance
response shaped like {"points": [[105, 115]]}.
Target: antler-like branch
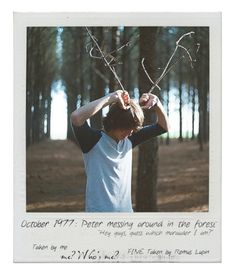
{"points": [[125, 45], [149, 75], [168, 67], [198, 47], [172, 66], [189, 55], [93, 56], [103, 56]]}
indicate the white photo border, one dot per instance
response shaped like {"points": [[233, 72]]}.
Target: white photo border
{"points": [[24, 20]]}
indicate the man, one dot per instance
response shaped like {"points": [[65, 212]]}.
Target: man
{"points": [[107, 153]]}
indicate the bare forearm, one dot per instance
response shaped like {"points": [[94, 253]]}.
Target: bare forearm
{"points": [[162, 118], [79, 116], [149, 100]]}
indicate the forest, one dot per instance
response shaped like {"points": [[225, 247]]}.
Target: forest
{"points": [[171, 62]]}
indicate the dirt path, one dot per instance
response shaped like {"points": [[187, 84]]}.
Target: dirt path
{"points": [[56, 178]]}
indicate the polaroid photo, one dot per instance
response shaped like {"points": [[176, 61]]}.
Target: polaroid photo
{"points": [[117, 137]]}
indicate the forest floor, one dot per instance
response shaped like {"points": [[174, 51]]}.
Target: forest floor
{"points": [[55, 180]]}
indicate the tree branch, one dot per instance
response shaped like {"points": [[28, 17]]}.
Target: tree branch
{"points": [[148, 76], [103, 56], [167, 68]]}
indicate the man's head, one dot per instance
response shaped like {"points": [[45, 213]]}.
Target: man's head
{"points": [[123, 122]]}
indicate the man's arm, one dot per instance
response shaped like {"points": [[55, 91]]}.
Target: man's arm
{"points": [[161, 126], [79, 116], [162, 118], [148, 101]]}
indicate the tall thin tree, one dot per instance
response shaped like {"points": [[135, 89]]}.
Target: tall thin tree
{"points": [[146, 194]]}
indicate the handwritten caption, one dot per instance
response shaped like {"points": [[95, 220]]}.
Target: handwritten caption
{"points": [[124, 229], [115, 255], [130, 228]]}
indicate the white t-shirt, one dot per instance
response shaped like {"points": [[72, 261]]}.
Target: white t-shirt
{"points": [[108, 166]]}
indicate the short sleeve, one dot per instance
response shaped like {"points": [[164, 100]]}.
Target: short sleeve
{"points": [[146, 133], [86, 136]]}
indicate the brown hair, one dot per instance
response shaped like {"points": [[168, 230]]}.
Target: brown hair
{"points": [[118, 118]]}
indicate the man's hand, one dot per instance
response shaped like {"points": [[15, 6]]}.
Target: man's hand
{"points": [[148, 100], [122, 97]]}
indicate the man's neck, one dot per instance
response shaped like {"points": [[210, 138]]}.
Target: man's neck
{"points": [[112, 135]]}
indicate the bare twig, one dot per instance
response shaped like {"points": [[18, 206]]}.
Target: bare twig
{"points": [[125, 45], [103, 56], [171, 67], [108, 55], [148, 76], [198, 47], [186, 34], [189, 55], [167, 68], [113, 61], [93, 56]]}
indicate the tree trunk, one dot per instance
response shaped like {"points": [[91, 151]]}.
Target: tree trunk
{"points": [[193, 111], [180, 103], [126, 61], [98, 85], [41, 115], [48, 112], [205, 106], [200, 110], [167, 104], [71, 106], [113, 86], [35, 118], [82, 68], [28, 119], [146, 194]]}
